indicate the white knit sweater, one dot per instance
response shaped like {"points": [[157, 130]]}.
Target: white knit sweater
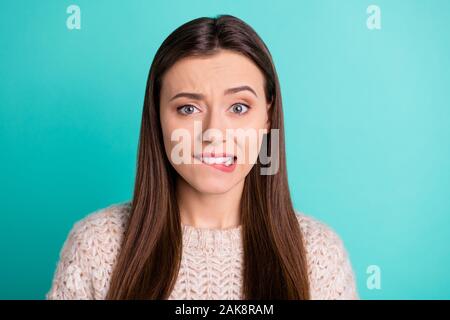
{"points": [[211, 263]]}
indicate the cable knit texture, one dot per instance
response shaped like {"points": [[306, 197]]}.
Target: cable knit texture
{"points": [[211, 266]]}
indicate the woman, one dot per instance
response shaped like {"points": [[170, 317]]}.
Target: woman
{"points": [[206, 220]]}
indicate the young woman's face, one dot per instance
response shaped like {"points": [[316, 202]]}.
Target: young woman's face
{"points": [[203, 101]]}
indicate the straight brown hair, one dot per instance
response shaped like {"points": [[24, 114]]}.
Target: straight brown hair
{"points": [[148, 263]]}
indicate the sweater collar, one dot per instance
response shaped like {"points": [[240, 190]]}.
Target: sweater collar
{"points": [[212, 240]]}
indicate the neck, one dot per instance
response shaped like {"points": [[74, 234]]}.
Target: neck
{"points": [[207, 210]]}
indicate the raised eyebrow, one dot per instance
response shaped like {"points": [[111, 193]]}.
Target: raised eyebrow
{"points": [[190, 95], [199, 96], [240, 88]]}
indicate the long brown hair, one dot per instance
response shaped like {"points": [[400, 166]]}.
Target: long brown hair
{"points": [[148, 263]]}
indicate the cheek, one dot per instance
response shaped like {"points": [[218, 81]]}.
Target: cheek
{"points": [[258, 125], [263, 121], [249, 145], [179, 130], [256, 119], [179, 151]]}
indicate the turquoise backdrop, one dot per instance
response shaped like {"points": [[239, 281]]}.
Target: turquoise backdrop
{"points": [[366, 110]]}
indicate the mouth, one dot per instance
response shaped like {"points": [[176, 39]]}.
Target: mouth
{"points": [[224, 162]]}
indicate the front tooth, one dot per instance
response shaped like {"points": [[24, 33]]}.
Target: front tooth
{"points": [[215, 160], [220, 160], [229, 161], [226, 160], [208, 160]]}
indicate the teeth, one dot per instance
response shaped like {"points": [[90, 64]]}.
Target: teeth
{"points": [[229, 161], [218, 160]]}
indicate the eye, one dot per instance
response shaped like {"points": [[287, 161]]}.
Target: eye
{"points": [[239, 108], [187, 109]]}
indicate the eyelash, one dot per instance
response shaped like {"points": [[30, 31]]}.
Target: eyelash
{"points": [[190, 105]]}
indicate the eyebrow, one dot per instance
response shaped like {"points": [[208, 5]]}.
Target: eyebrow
{"points": [[199, 96]]}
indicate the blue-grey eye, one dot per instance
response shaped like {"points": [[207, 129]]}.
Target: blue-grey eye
{"points": [[187, 109], [239, 108]]}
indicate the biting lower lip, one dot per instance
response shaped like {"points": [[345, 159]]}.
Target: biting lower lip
{"points": [[212, 161]]}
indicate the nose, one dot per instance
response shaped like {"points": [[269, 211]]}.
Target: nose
{"points": [[214, 126]]}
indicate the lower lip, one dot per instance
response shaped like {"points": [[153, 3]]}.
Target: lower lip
{"points": [[222, 167]]}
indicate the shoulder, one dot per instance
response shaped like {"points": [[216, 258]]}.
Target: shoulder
{"points": [[98, 236], [315, 231], [105, 222], [89, 253], [330, 271], [101, 229]]}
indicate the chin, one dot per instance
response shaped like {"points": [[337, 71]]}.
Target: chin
{"points": [[212, 185]]}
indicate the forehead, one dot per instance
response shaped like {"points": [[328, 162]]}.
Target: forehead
{"points": [[211, 74]]}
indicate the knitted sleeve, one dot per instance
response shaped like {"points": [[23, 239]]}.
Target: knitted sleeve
{"points": [[329, 267], [72, 278], [88, 256]]}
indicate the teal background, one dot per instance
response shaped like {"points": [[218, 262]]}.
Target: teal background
{"points": [[367, 126]]}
